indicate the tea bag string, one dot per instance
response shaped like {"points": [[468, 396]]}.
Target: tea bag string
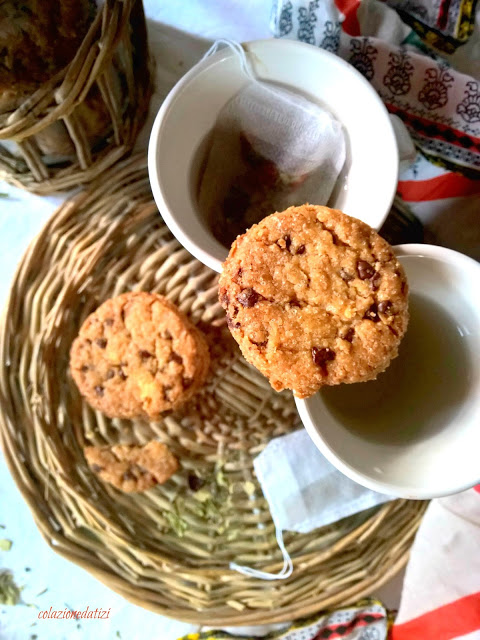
{"points": [[286, 571], [237, 49]]}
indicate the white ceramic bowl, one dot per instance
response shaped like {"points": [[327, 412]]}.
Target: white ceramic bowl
{"points": [[433, 450], [189, 112]]}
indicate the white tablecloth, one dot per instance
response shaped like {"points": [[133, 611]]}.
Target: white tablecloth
{"points": [[34, 565]]}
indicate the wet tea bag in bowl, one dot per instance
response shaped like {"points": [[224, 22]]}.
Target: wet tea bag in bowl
{"points": [[270, 148]]}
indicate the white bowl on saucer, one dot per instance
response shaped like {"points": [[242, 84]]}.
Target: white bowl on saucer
{"points": [[189, 112], [426, 437]]}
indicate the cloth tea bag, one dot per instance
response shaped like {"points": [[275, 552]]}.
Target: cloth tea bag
{"points": [[304, 492], [270, 148]]}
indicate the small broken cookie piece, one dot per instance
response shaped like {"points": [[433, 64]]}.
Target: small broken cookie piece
{"points": [[132, 468], [137, 356], [314, 297]]}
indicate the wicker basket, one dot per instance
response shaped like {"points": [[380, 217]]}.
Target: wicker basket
{"points": [[168, 549], [87, 116]]}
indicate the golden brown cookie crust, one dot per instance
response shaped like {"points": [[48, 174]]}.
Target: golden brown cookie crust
{"points": [[314, 297], [137, 356], [132, 468]]}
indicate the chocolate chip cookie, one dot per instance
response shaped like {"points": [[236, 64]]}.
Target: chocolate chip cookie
{"points": [[314, 297], [137, 356], [132, 468]]}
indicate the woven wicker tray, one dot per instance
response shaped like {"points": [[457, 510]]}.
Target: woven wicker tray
{"points": [[167, 549]]}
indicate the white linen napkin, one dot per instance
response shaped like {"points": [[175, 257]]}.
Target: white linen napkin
{"points": [[441, 590], [304, 492]]}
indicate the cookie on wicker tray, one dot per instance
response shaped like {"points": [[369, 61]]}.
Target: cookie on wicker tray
{"points": [[137, 356], [314, 297], [132, 468]]}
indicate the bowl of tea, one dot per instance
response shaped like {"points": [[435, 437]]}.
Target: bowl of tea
{"points": [[253, 129], [414, 431]]}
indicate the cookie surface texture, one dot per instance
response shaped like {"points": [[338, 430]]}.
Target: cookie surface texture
{"points": [[314, 297], [132, 468], [137, 356]]}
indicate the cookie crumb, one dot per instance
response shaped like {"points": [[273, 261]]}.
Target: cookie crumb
{"points": [[132, 468]]}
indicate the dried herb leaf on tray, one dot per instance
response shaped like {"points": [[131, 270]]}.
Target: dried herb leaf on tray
{"points": [[9, 591]]}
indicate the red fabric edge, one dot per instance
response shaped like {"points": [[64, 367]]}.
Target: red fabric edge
{"points": [[349, 9], [455, 619], [448, 185]]}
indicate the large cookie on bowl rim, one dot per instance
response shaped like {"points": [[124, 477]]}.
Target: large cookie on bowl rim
{"points": [[138, 356], [314, 297]]}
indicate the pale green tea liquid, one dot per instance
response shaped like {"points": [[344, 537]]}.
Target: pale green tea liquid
{"points": [[420, 392]]}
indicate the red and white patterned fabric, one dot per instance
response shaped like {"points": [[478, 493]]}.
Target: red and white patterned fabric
{"points": [[368, 620], [423, 58]]}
